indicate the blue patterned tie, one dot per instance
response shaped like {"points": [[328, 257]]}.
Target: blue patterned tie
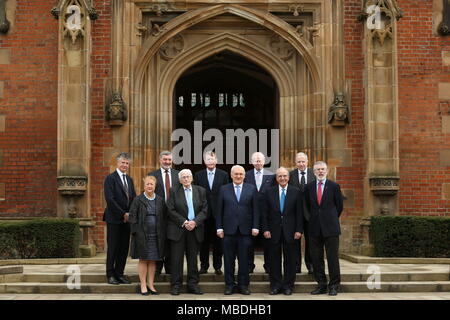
{"points": [[282, 199], [191, 215], [238, 192], [210, 179]]}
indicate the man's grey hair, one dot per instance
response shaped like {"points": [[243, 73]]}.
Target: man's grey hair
{"points": [[184, 172], [258, 154], [235, 167], [301, 154], [123, 155], [320, 163], [165, 153]]}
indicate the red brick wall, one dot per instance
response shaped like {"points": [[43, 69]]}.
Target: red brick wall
{"points": [[101, 133], [420, 70], [352, 177], [29, 105]]}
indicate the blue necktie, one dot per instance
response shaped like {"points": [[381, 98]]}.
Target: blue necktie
{"points": [[238, 192], [210, 179], [258, 180], [191, 215], [282, 198]]}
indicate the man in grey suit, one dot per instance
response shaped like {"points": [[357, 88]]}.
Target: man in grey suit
{"points": [[187, 210], [166, 178], [299, 177]]}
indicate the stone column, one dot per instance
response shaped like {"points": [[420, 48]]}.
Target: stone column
{"points": [[381, 108]]}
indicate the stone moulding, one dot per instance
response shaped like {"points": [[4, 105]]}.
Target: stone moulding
{"points": [[72, 185], [384, 185]]}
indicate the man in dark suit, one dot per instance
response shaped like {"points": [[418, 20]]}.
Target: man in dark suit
{"points": [[119, 194], [325, 203], [262, 179], [237, 221], [299, 177], [211, 179], [282, 224], [187, 209], [166, 178]]}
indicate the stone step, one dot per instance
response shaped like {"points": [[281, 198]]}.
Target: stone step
{"points": [[216, 287], [256, 277]]}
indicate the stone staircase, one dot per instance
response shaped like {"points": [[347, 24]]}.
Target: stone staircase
{"points": [[95, 283]]}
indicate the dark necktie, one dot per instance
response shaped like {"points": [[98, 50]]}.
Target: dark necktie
{"points": [[125, 186], [303, 180], [167, 184]]}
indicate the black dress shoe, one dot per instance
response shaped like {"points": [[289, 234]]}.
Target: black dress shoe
{"points": [[332, 291], [195, 291], [298, 270], [229, 291], [244, 291], [251, 270], [288, 292], [203, 271], [319, 290], [175, 291], [310, 271], [155, 293], [123, 280], [218, 272], [274, 292], [112, 280], [146, 293]]}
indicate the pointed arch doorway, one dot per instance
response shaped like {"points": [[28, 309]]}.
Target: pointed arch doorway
{"points": [[226, 92]]}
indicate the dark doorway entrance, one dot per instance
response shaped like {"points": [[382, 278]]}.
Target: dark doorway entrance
{"points": [[225, 91]]}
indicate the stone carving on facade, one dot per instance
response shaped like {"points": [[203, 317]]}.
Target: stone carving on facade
{"points": [[380, 14], [384, 187], [92, 13], [171, 48], [296, 9], [74, 16], [71, 187], [116, 111], [152, 29], [339, 113], [281, 47], [4, 23], [159, 8], [444, 26]]}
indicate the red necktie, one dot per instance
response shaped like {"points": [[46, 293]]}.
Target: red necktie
{"points": [[319, 193], [167, 184]]}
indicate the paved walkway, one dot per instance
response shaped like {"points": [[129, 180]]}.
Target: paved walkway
{"points": [[346, 268]]}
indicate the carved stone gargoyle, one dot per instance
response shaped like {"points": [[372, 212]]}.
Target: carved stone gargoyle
{"points": [[444, 26], [338, 113], [4, 23], [116, 111]]}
